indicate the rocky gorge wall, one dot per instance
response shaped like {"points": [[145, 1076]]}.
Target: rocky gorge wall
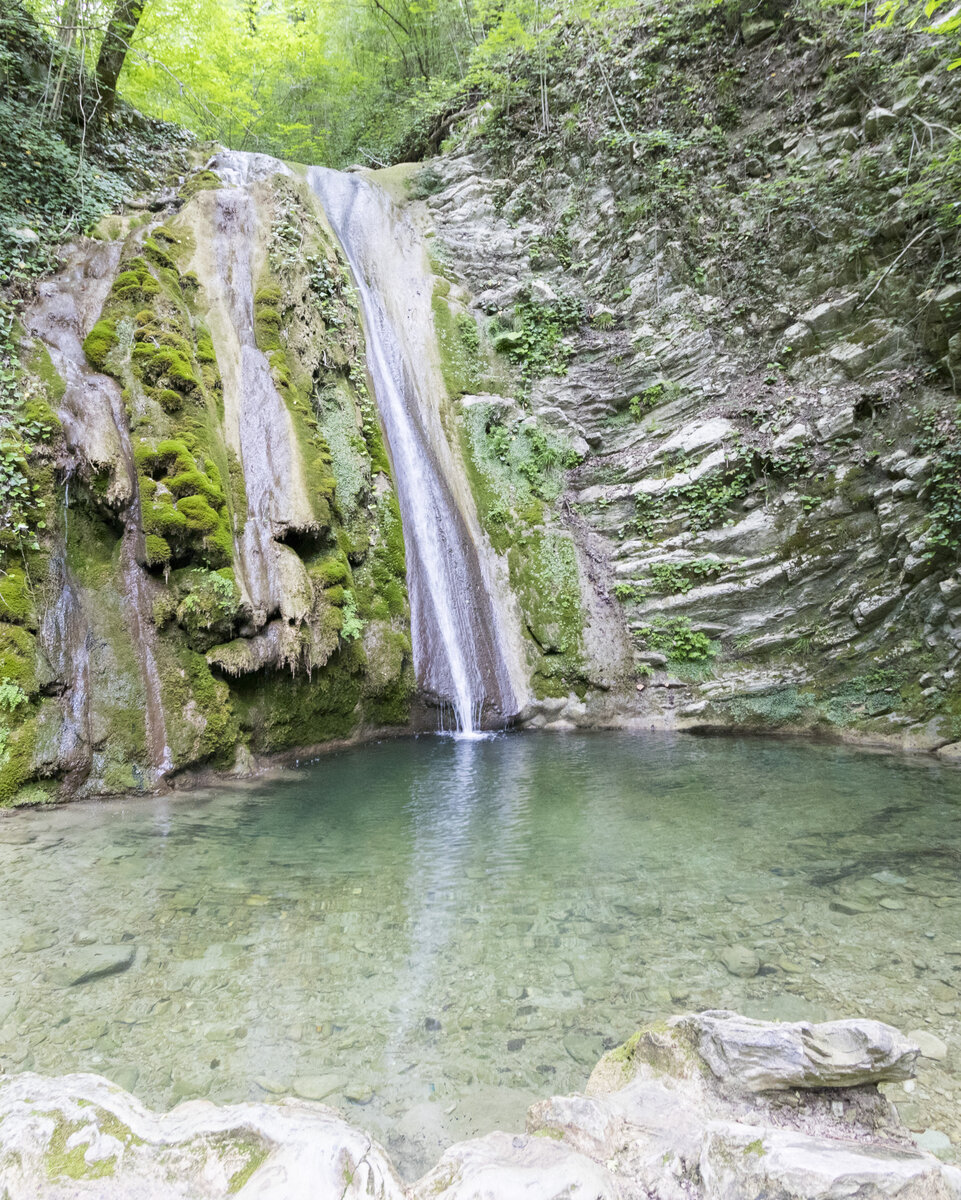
{"points": [[725, 278], [206, 559], [698, 334]]}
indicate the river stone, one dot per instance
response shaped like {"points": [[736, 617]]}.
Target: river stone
{"points": [[584, 1048], [851, 908], [505, 1167], [740, 960], [934, 1141], [8, 1002], [929, 1044], [88, 963], [120, 1150], [743, 1162], [761, 1056], [318, 1087]]}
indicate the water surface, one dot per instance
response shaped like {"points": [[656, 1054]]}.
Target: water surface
{"points": [[441, 932]]}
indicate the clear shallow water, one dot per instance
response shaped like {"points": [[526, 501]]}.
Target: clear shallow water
{"points": [[441, 932]]}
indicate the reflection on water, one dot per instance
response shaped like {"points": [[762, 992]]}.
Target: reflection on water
{"points": [[431, 933]]}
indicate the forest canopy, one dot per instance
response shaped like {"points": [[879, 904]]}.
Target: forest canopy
{"points": [[334, 80]]}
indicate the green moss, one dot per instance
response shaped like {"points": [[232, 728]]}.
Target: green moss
{"points": [[209, 605], [17, 755], [624, 1053], [169, 400], [157, 254], [201, 723], [100, 341], [280, 711], [157, 550], [458, 342], [331, 570], [41, 364], [256, 1155], [546, 579], [184, 504], [18, 656], [165, 366], [200, 517], [202, 181], [16, 600]]}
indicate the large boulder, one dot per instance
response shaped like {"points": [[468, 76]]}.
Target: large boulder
{"points": [[689, 1109], [761, 1056], [505, 1167], [741, 1162], [80, 1135]]}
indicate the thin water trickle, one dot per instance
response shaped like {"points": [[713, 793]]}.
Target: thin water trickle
{"points": [[455, 929], [461, 645]]}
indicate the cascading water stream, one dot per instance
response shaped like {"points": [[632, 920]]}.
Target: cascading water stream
{"points": [[460, 652]]}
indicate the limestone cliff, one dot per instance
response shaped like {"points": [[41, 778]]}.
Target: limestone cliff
{"points": [[697, 307], [725, 271], [215, 558]]}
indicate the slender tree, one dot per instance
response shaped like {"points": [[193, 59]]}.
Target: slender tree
{"points": [[113, 49]]}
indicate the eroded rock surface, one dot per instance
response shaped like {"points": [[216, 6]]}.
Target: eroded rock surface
{"points": [[673, 1114], [761, 1056]]}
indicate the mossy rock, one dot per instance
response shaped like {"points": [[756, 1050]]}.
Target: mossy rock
{"points": [[16, 758], [16, 600], [201, 182], [99, 342], [18, 657]]}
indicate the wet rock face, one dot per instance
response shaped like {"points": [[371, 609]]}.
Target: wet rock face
{"points": [[221, 565], [658, 1120], [757, 497]]}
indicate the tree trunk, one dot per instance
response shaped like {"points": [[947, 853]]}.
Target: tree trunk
{"points": [[68, 22], [113, 50]]}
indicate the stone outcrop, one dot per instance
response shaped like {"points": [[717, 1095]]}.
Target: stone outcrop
{"points": [[220, 572], [762, 1057], [758, 508], [676, 1113]]}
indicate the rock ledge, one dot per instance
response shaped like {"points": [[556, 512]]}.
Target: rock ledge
{"points": [[709, 1106]]}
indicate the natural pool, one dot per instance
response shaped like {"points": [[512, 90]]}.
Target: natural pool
{"points": [[431, 934]]}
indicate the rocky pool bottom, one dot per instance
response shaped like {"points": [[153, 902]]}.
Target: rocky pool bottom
{"points": [[432, 935]]}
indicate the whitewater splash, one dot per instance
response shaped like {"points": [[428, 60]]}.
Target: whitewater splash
{"points": [[461, 650]]}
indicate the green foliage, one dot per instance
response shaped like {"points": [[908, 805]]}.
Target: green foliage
{"points": [[651, 397], [536, 343], [56, 177], [927, 15], [351, 626], [939, 435], [209, 606], [682, 577], [674, 637], [27, 426], [12, 695]]}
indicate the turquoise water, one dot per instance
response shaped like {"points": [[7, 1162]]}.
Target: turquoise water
{"points": [[432, 934]]}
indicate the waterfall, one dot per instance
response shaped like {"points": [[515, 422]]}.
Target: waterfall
{"points": [[96, 428], [460, 646]]}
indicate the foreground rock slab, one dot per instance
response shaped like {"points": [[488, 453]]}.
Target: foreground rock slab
{"points": [[737, 1164], [773, 1056], [80, 1136], [708, 1106]]}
